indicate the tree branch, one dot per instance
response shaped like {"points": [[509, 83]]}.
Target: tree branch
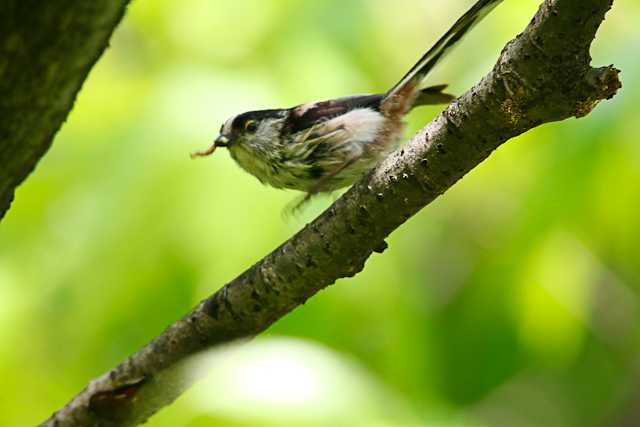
{"points": [[46, 51], [542, 76]]}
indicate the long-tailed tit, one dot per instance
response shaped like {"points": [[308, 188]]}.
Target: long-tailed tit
{"points": [[326, 145]]}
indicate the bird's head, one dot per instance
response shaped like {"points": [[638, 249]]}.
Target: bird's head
{"points": [[250, 131]]}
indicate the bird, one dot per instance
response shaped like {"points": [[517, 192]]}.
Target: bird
{"points": [[323, 146]]}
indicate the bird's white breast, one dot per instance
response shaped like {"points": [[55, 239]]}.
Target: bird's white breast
{"points": [[362, 125]]}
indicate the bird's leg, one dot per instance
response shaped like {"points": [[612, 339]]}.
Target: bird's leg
{"points": [[319, 186]]}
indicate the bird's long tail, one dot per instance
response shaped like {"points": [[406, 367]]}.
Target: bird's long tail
{"points": [[430, 59], [433, 95]]}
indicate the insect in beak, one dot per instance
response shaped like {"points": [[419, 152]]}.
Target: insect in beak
{"points": [[221, 141]]}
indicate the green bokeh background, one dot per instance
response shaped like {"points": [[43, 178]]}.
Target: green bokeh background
{"points": [[512, 301]]}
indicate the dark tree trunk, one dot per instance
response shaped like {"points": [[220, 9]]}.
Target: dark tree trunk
{"points": [[47, 48]]}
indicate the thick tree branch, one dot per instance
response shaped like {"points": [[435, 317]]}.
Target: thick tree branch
{"points": [[542, 76], [46, 51]]}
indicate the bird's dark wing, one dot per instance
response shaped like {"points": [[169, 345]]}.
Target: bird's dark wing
{"points": [[307, 115]]}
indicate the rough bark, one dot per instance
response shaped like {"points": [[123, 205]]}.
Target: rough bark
{"points": [[543, 75], [46, 51]]}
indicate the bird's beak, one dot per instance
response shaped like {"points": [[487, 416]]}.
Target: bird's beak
{"points": [[221, 141]]}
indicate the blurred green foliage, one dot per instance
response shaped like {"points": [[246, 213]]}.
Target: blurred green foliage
{"points": [[511, 301]]}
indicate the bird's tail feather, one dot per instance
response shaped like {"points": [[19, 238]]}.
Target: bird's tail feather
{"points": [[433, 95], [430, 59]]}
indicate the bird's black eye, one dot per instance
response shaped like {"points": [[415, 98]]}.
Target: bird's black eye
{"points": [[251, 126]]}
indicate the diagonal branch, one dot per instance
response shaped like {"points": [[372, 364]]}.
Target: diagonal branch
{"points": [[543, 75], [46, 51]]}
